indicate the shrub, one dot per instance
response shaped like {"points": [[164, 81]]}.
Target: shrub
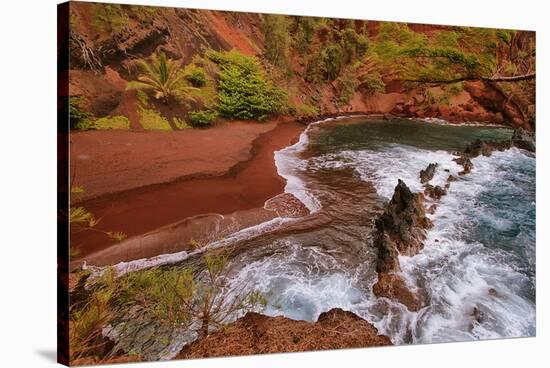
{"points": [[78, 117], [178, 297], [202, 118], [277, 39], [306, 111], [152, 120], [109, 17], [244, 91], [372, 82], [333, 59], [304, 31], [195, 75], [347, 84]]}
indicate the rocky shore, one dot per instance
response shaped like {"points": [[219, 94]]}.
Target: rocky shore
{"points": [[401, 228], [259, 334]]}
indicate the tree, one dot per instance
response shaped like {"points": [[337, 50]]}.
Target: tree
{"points": [[163, 76], [199, 298], [277, 39], [244, 91]]}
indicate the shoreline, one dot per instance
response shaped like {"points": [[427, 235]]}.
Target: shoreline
{"points": [[155, 217], [166, 222]]}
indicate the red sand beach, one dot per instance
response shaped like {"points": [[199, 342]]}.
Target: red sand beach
{"points": [[137, 182]]}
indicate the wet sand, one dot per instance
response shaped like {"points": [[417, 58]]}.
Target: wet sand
{"points": [[223, 170]]}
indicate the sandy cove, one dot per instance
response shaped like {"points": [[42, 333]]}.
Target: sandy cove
{"points": [[153, 185]]}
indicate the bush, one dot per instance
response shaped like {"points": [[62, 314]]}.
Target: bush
{"points": [[347, 84], [78, 117], [195, 75], [109, 17], [152, 120], [244, 91], [333, 59], [277, 39], [202, 118], [305, 111], [372, 82]]}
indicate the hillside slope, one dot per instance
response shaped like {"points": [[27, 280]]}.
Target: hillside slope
{"points": [[373, 63]]}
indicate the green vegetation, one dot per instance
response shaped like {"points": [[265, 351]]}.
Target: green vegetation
{"points": [[372, 82], [345, 48], [464, 53], [78, 117], [109, 17], [202, 118], [172, 296], [162, 77], [277, 39], [303, 31], [81, 216], [81, 219], [195, 75], [87, 320], [111, 122], [180, 123], [244, 92], [305, 111], [347, 84], [152, 120]]}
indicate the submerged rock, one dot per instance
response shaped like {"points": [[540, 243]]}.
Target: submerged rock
{"points": [[259, 334], [486, 148], [435, 192], [524, 140], [466, 164], [428, 173], [520, 138]]}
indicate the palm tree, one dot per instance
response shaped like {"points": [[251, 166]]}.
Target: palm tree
{"points": [[162, 76]]}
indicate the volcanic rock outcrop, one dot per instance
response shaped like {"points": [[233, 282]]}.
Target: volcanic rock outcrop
{"points": [[428, 173], [521, 139], [400, 230], [259, 334]]}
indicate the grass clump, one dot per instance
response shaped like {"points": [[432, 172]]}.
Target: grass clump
{"points": [[152, 120], [111, 122], [244, 92]]}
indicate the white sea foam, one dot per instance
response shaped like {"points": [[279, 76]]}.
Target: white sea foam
{"points": [[289, 164], [122, 268], [300, 282], [384, 167], [475, 290]]}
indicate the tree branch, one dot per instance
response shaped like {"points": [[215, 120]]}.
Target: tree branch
{"points": [[487, 79]]}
